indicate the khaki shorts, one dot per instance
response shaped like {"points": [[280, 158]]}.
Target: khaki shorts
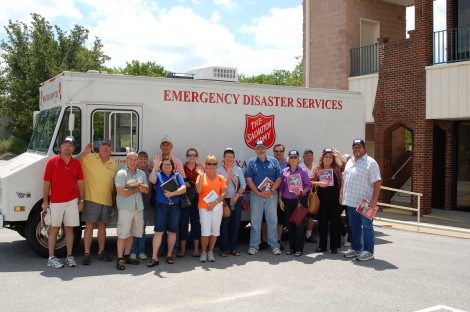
{"points": [[65, 212], [130, 223]]}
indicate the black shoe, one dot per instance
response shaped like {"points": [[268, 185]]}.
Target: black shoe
{"points": [[311, 240], [87, 260], [153, 262], [334, 251], [319, 249], [281, 246], [102, 256], [263, 245], [130, 260]]}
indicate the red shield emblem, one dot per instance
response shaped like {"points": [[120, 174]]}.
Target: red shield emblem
{"points": [[259, 127]]}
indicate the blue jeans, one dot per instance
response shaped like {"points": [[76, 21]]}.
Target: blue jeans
{"points": [[138, 246], [229, 228], [259, 205], [358, 223]]}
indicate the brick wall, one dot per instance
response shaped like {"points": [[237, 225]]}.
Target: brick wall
{"points": [[401, 100]]}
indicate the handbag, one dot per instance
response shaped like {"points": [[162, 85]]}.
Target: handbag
{"points": [[191, 190], [313, 202], [185, 202], [298, 215], [245, 204], [227, 213]]}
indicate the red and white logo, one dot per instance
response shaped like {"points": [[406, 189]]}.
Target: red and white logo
{"points": [[259, 127]]}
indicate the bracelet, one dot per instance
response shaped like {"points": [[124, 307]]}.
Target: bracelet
{"points": [[81, 200]]}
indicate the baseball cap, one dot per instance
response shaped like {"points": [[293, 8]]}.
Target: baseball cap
{"points": [[69, 139], [106, 141], [294, 153], [327, 150], [308, 151], [260, 143], [360, 142], [166, 138]]}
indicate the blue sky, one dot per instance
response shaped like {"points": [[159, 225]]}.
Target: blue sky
{"points": [[255, 36]]}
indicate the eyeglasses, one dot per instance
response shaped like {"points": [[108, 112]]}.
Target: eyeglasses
{"points": [[191, 155], [278, 151], [211, 164], [294, 157], [168, 164]]}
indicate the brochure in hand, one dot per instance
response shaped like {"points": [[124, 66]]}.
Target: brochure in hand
{"points": [[295, 183], [211, 197], [366, 210], [170, 186], [326, 175], [265, 185]]}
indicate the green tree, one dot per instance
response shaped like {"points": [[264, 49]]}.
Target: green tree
{"points": [[32, 54], [137, 68], [277, 77]]}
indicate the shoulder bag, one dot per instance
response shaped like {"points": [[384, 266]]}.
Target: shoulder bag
{"points": [[313, 201], [299, 214]]}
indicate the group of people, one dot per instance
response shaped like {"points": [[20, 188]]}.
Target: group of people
{"points": [[90, 182]]}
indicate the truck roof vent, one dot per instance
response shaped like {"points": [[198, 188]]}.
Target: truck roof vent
{"points": [[215, 73], [180, 75]]}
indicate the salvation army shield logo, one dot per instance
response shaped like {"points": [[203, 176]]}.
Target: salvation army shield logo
{"points": [[259, 127]]}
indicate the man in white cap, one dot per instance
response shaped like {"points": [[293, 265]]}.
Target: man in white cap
{"points": [[166, 145], [263, 200]]}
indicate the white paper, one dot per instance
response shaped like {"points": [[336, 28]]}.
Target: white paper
{"points": [[211, 197]]}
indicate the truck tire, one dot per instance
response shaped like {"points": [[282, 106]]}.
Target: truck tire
{"points": [[39, 243]]}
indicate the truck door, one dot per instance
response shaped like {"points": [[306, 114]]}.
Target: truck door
{"points": [[122, 126]]}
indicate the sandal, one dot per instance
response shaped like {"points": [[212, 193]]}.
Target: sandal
{"points": [[290, 252], [153, 262], [298, 254], [170, 260], [236, 253], [223, 254]]}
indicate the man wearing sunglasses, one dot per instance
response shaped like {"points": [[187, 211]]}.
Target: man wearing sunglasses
{"points": [[263, 200]]}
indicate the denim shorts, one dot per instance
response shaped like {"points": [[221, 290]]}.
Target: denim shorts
{"points": [[167, 217]]}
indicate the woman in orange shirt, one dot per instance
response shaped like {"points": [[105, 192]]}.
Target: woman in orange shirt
{"points": [[211, 188]]}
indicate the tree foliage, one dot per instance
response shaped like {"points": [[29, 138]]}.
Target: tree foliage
{"points": [[34, 53], [277, 77], [137, 68]]}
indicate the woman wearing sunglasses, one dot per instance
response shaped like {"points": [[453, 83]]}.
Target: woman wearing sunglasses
{"points": [[327, 175], [211, 188], [191, 213]]}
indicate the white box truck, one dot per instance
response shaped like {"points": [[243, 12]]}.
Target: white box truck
{"points": [[136, 112]]}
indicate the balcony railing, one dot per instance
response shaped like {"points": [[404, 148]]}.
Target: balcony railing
{"points": [[364, 60], [451, 45]]}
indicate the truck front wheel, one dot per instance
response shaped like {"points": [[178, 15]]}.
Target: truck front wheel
{"points": [[39, 243]]}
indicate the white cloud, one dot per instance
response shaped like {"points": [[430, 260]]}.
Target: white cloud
{"points": [[228, 4], [281, 28]]}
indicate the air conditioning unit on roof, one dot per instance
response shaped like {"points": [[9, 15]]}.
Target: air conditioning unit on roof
{"points": [[215, 73]]}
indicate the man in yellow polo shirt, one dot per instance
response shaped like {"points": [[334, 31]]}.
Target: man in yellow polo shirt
{"points": [[99, 170]]}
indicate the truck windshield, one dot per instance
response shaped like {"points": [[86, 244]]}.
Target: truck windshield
{"points": [[43, 131]]}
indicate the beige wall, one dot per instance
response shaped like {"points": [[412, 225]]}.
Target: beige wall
{"points": [[335, 29]]}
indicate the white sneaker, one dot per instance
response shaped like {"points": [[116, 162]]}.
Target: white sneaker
{"points": [[277, 251], [351, 253], [365, 256], [70, 261], [55, 263], [142, 256], [203, 257], [252, 251], [133, 256], [210, 257]]}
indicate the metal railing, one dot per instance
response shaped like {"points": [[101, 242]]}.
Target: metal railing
{"points": [[364, 60], [451, 45], [417, 209], [402, 166]]}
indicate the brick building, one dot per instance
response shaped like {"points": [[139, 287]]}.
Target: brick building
{"points": [[416, 89]]}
